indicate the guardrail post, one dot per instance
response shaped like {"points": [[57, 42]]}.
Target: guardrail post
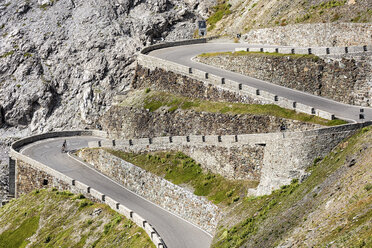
{"points": [[292, 51], [294, 105], [327, 50], [240, 86], [277, 50], [313, 111], [113, 143], [276, 98], [206, 75], [365, 48], [309, 50], [222, 80], [346, 50], [190, 70], [261, 49], [257, 92]]}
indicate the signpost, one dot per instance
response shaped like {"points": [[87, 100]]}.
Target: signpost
{"points": [[202, 27]]}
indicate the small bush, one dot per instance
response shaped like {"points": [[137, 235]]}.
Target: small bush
{"points": [[48, 239], [107, 228], [368, 187], [147, 90], [84, 203]]}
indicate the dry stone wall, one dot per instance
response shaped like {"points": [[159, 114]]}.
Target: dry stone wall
{"points": [[320, 34], [130, 122], [30, 178], [164, 80], [274, 158], [175, 199], [343, 80]]}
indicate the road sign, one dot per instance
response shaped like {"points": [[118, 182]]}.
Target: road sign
{"points": [[202, 26]]}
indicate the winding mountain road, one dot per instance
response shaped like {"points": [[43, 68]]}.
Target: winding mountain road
{"points": [[183, 55], [176, 232]]}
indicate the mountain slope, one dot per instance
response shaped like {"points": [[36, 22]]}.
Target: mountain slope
{"points": [[331, 208], [50, 218], [242, 15]]}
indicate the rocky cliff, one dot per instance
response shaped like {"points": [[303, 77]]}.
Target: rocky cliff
{"points": [[61, 62]]}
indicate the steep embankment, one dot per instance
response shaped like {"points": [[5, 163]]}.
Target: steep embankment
{"points": [[49, 218], [240, 16], [332, 207]]}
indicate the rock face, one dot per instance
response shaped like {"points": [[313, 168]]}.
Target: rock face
{"points": [[345, 80], [316, 34], [62, 61]]}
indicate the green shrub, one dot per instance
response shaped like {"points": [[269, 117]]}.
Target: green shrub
{"points": [[84, 203], [368, 187], [220, 10]]}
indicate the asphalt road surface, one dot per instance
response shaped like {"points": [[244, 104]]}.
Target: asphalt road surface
{"points": [[176, 232], [183, 55]]}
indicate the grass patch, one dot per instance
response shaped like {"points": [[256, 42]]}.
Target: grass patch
{"points": [[4, 55], [245, 53], [219, 11], [65, 224], [17, 237], [180, 169], [267, 219], [155, 100]]}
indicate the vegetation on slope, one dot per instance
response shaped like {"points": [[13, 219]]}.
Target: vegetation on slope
{"points": [[331, 208], [182, 170], [155, 100], [243, 53], [50, 218], [244, 15], [219, 11]]}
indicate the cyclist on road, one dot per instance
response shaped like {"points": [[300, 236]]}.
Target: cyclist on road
{"points": [[64, 146]]}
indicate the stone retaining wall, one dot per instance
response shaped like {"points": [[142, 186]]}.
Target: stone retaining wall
{"points": [[173, 198], [274, 158], [319, 34], [152, 63], [343, 80]]}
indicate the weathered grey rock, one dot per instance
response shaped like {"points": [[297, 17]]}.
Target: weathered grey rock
{"points": [[61, 62]]}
